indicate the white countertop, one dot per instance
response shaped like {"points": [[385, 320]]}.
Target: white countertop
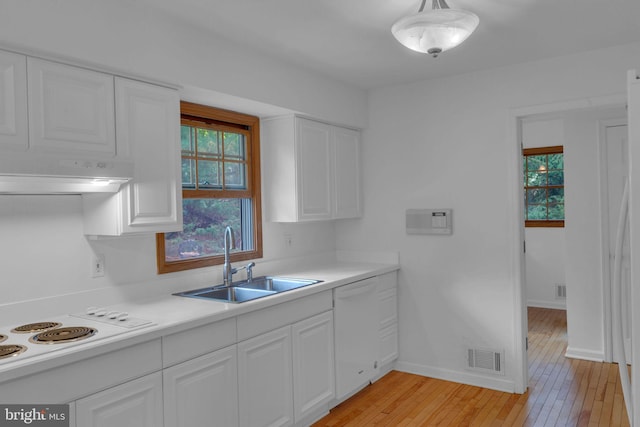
{"points": [[170, 314]]}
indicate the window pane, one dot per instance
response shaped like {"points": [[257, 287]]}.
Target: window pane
{"points": [[537, 212], [556, 195], [204, 224], [556, 211], [234, 146], [186, 138], [208, 143], [234, 176], [536, 196], [536, 179], [556, 177], [556, 161], [535, 163], [208, 174], [188, 173]]}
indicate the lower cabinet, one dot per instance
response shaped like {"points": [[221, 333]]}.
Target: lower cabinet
{"points": [[137, 403], [203, 391], [313, 365], [264, 380], [286, 375]]}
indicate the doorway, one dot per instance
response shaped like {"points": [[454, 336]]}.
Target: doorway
{"points": [[585, 293]]}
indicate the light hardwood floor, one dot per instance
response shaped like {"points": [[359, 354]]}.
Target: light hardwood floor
{"points": [[562, 392]]}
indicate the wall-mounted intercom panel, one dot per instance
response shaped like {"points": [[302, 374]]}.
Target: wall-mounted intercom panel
{"points": [[429, 221]]}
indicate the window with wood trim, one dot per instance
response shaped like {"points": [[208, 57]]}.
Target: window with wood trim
{"points": [[543, 186], [220, 188]]}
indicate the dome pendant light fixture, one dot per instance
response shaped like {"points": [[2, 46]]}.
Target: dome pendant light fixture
{"points": [[436, 30]]}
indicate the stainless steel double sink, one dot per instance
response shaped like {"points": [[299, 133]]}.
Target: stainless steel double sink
{"points": [[248, 290]]}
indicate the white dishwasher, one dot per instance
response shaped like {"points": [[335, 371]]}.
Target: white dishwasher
{"points": [[356, 335]]}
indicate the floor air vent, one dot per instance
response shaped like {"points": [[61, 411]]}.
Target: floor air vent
{"points": [[484, 360], [561, 291]]}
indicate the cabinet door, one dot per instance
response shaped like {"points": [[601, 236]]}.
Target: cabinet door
{"points": [[313, 364], [70, 108], [149, 132], [388, 321], [202, 390], [356, 335], [264, 380], [137, 403], [13, 101], [347, 197], [313, 144]]}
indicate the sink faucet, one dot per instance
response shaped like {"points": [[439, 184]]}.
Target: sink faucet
{"points": [[229, 243]]}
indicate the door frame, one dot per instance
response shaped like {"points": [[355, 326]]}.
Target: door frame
{"points": [[516, 224], [604, 229]]}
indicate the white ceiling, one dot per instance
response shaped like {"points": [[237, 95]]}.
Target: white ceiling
{"points": [[350, 40]]}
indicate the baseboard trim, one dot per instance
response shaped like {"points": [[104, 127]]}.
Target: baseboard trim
{"points": [[499, 384], [557, 305], [584, 354]]}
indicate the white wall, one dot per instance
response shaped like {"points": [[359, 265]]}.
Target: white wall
{"points": [[544, 258], [446, 143]]}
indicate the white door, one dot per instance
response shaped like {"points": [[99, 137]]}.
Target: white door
{"points": [[202, 391], [149, 131], [314, 170], [616, 147], [265, 385], [70, 109], [346, 173], [313, 364]]}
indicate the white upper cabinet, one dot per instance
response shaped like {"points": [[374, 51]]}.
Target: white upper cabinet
{"points": [[148, 118], [346, 175], [313, 146], [70, 108], [13, 101], [312, 170], [149, 128]]}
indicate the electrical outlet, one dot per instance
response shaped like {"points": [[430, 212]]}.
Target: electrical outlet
{"points": [[288, 240], [97, 266]]}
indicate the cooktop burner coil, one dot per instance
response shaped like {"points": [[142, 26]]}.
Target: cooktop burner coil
{"points": [[30, 328], [62, 335], [3, 337], [11, 350]]}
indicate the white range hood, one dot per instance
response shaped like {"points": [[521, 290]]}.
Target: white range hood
{"points": [[22, 173]]}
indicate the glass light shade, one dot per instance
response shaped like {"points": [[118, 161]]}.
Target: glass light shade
{"points": [[434, 31]]}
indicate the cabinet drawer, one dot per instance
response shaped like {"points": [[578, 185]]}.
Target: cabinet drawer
{"points": [[137, 403], [195, 342], [261, 321]]}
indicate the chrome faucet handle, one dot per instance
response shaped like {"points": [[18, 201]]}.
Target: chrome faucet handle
{"points": [[249, 268]]}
